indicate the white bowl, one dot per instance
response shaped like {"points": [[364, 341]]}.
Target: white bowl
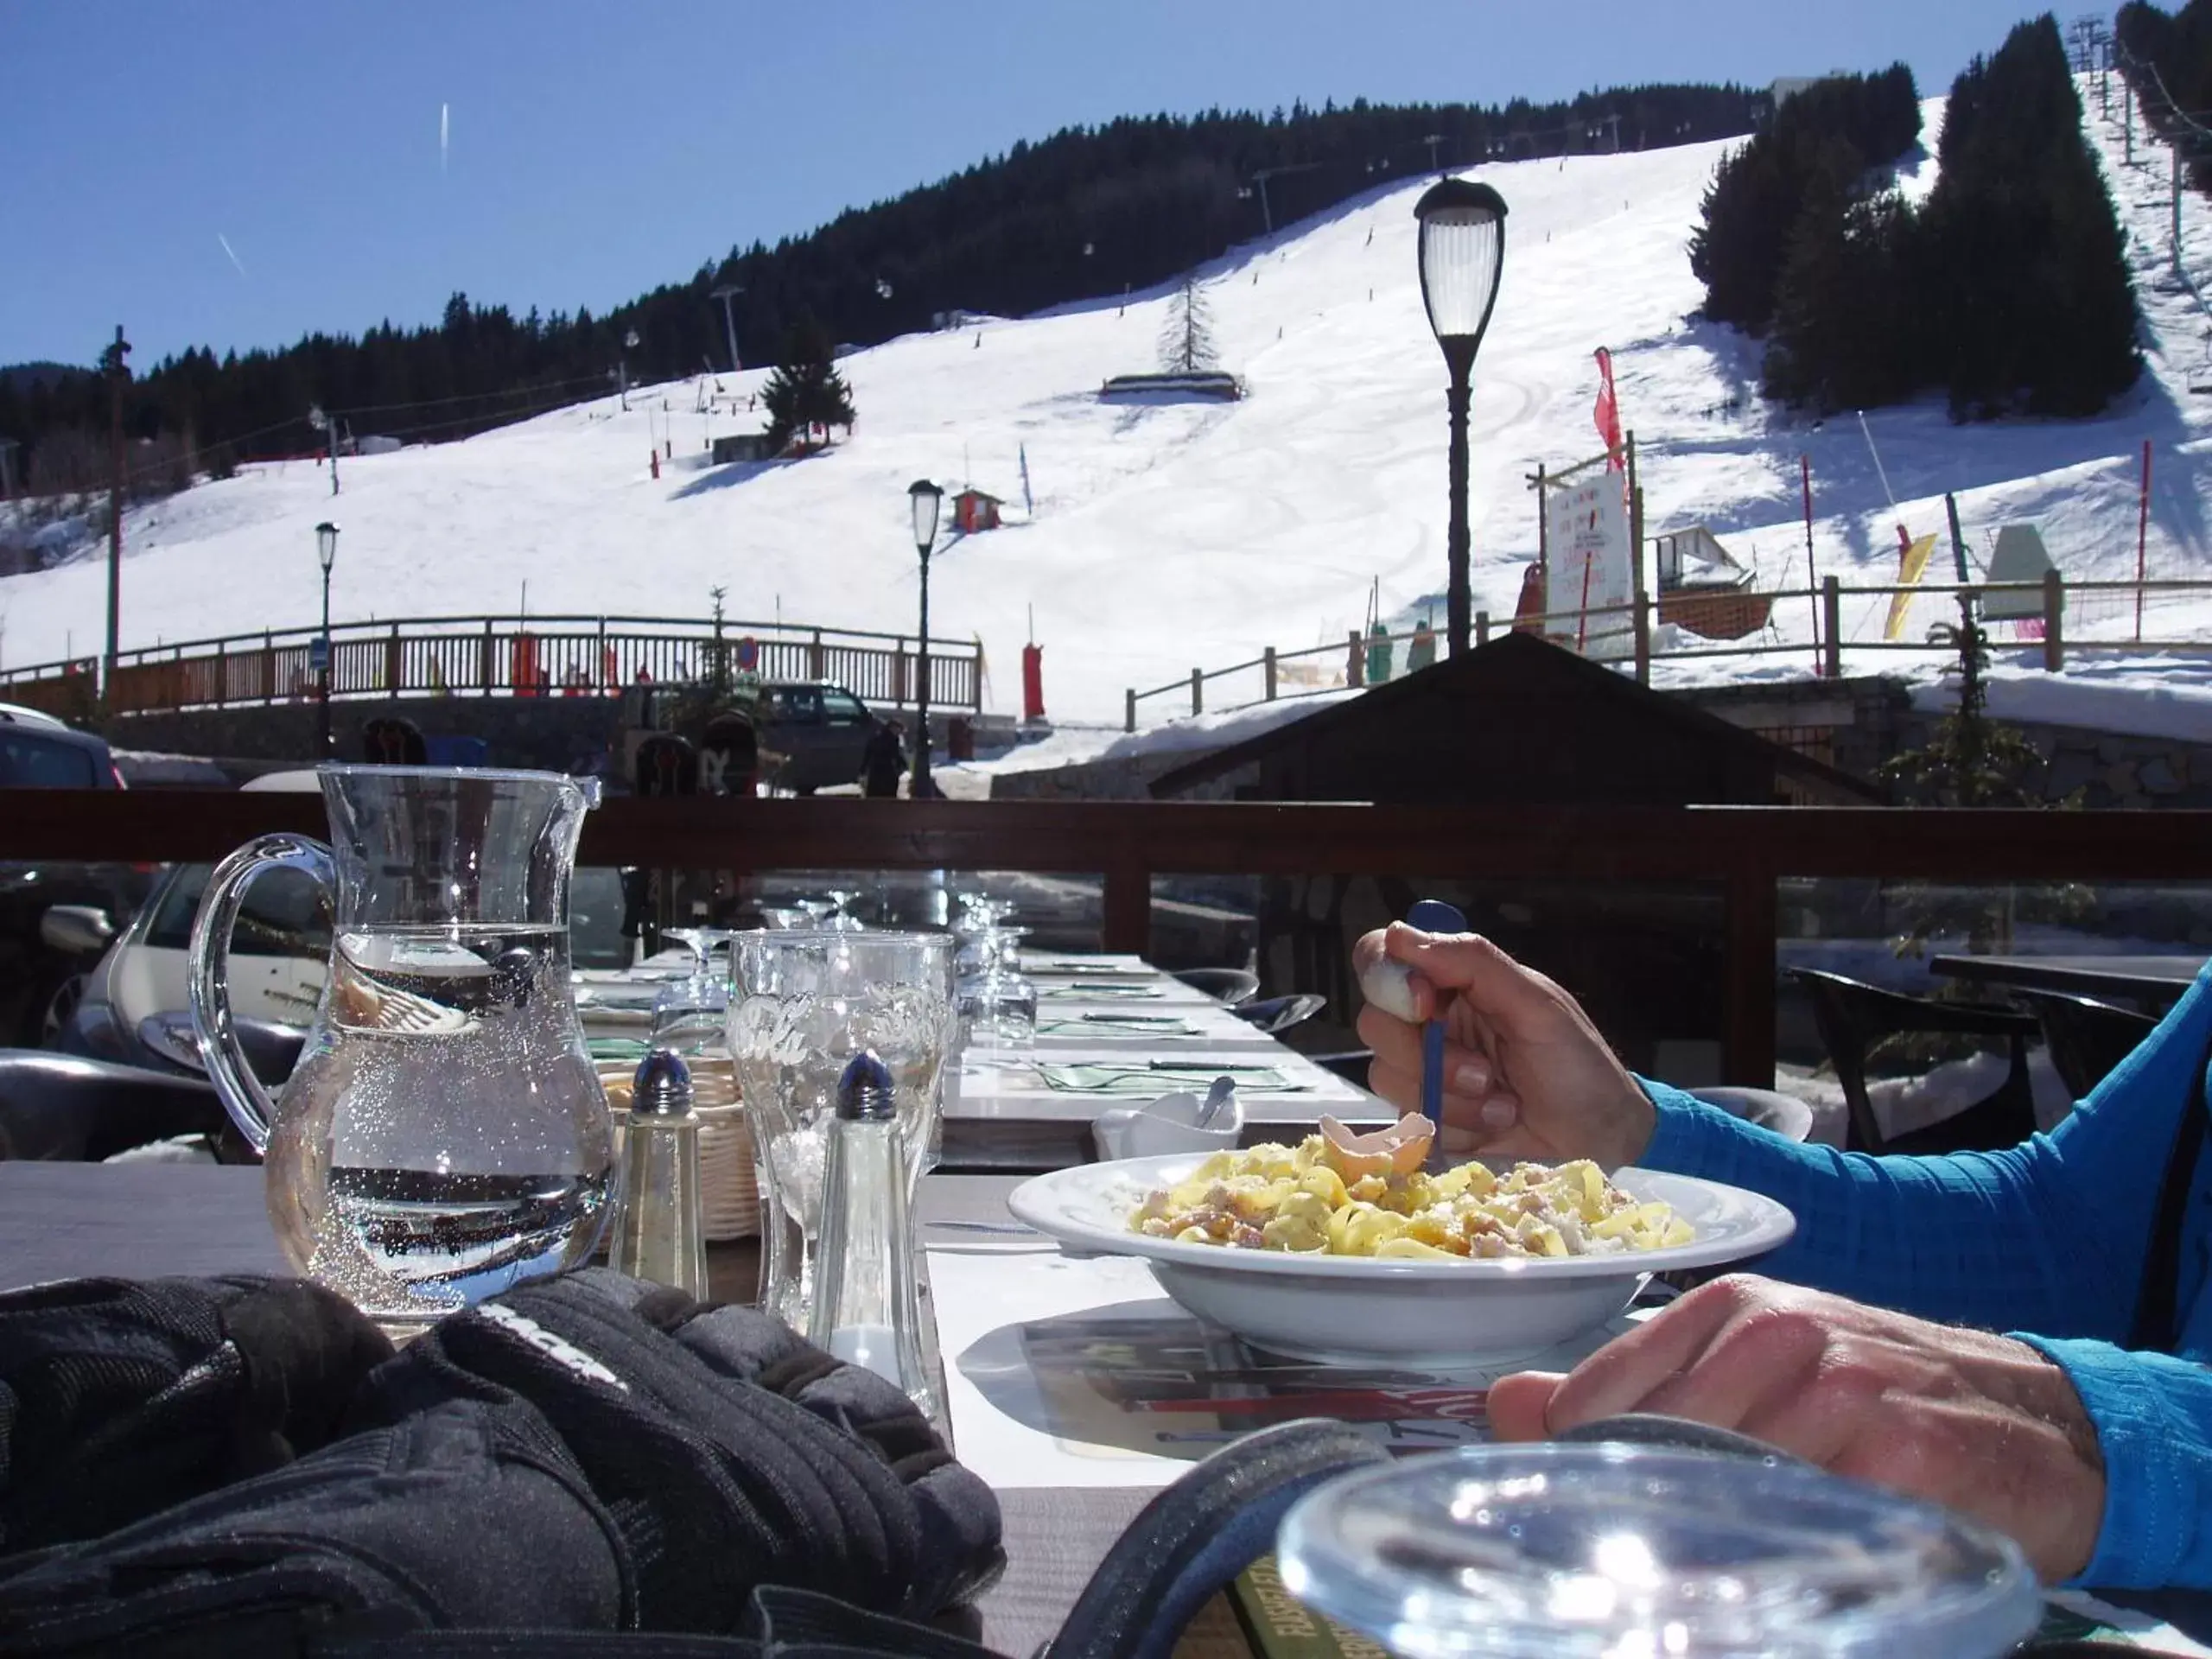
{"points": [[1169, 1124], [1362, 1309]]}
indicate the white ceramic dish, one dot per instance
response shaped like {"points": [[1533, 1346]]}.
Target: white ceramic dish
{"points": [[1361, 1309]]}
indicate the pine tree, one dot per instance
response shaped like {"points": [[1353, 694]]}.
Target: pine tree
{"points": [[2028, 295], [1969, 759], [1845, 333], [1825, 139], [1972, 760], [1186, 338], [805, 390]]}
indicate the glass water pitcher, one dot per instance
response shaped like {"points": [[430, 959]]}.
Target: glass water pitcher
{"points": [[444, 1135]]}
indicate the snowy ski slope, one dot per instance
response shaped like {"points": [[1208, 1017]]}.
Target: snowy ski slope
{"points": [[1171, 536]]}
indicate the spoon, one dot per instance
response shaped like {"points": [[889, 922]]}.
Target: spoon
{"points": [[1223, 1092]]}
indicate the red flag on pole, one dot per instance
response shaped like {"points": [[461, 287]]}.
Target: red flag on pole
{"points": [[1608, 412]]}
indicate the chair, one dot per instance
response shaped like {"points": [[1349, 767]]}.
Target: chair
{"points": [[1278, 1014], [271, 1049], [1232, 986], [2087, 1038], [63, 1107], [1852, 1017]]}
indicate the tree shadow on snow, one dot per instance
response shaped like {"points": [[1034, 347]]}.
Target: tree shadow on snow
{"points": [[728, 475], [1924, 452]]}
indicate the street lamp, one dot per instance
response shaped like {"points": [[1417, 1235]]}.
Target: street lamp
{"points": [[622, 363], [326, 551], [925, 498], [1462, 255]]}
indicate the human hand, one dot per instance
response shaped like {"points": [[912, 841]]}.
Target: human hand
{"points": [[1526, 1073], [1979, 1423]]}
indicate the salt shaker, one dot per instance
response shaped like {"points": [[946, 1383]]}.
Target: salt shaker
{"points": [[657, 1231], [867, 1311]]}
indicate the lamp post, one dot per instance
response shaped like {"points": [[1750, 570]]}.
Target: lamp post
{"points": [[1462, 255], [326, 551], [622, 365], [925, 498]]}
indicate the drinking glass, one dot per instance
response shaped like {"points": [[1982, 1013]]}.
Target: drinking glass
{"points": [[692, 1014], [801, 1004], [703, 943], [997, 1008], [1612, 1551]]}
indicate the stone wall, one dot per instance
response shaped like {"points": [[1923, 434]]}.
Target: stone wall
{"points": [[2112, 770], [555, 733], [549, 734], [1867, 722], [1852, 725]]}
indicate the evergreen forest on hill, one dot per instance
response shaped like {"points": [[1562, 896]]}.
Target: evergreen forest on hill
{"points": [[2167, 57], [1082, 214], [2008, 289]]}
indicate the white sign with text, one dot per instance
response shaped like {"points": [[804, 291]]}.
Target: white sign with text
{"points": [[1591, 570]]}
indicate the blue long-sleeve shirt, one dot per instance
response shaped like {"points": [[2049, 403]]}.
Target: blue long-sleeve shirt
{"points": [[2047, 1241]]}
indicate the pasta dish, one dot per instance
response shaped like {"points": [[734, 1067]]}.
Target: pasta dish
{"points": [[1337, 1193]]}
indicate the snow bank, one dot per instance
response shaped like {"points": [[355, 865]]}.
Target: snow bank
{"points": [[2162, 698]]}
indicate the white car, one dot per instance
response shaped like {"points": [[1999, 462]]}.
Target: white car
{"points": [[135, 1008]]}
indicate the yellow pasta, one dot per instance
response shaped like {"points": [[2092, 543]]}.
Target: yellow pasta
{"points": [[1304, 1200]]}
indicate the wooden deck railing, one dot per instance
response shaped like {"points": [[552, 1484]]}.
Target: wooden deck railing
{"points": [[1742, 852], [471, 656], [1629, 635]]}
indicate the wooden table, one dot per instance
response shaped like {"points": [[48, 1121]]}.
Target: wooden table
{"points": [[62, 1221], [2159, 981]]}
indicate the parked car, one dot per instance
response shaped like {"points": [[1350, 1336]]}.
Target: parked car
{"points": [[56, 915], [135, 1008], [37, 751], [821, 731]]}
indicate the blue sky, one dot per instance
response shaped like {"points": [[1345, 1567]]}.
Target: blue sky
{"points": [[599, 148]]}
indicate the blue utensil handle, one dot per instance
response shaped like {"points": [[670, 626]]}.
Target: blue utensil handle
{"points": [[1432, 1072], [1435, 915]]}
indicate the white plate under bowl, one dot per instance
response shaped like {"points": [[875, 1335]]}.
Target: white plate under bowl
{"points": [[1365, 1309]]}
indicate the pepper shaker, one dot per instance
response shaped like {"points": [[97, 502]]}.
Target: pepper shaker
{"points": [[867, 1309], [659, 1233]]}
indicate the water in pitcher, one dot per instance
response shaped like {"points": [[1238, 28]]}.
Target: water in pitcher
{"points": [[394, 1172]]}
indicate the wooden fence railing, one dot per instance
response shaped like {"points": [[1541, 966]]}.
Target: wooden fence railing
{"points": [[1742, 852], [1630, 635], [464, 656]]}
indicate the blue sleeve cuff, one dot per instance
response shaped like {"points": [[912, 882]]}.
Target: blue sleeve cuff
{"points": [[1691, 1138], [2152, 1413]]}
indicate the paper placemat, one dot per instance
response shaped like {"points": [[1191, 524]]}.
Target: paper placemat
{"points": [[1150, 1082], [1116, 1024], [1067, 1372]]}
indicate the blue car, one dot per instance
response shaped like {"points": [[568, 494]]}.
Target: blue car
{"points": [[55, 915]]}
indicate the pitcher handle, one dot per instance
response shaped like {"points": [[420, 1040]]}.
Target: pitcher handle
{"points": [[208, 970]]}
